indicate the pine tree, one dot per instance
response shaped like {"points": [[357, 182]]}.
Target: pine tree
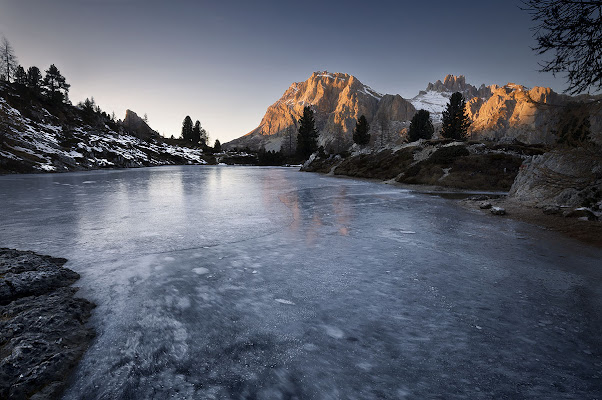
{"points": [[204, 137], [187, 129], [8, 60], [217, 147], [20, 76], [55, 86], [455, 120], [421, 126], [360, 133], [307, 138], [34, 77], [196, 132]]}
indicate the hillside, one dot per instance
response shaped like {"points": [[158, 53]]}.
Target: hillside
{"points": [[39, 136]]}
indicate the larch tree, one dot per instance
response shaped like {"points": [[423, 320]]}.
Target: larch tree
{"points": [[217, 147], [8, 60], [55, 86], [307, 138], [455, 120], [572, 31], [421, 126], [360, 133]]}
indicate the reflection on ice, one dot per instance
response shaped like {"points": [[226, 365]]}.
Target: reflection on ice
{"points": [[265, 283]]}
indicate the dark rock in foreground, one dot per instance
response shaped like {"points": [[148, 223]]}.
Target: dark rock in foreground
{"points": [[43, 330]]}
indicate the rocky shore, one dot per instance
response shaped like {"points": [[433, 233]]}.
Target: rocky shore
{"points": [[558, 189], [43, 327]]}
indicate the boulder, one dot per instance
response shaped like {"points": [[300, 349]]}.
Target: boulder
{"points": [[565, 177], [498, 211]]}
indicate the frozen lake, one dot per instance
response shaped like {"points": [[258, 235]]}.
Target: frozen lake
{"points": [[268, 283]]}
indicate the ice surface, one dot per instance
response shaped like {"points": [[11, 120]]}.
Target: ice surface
{"points": [[396, 294]]}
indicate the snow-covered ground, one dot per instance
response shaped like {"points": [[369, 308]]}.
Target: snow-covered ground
{"points": [[52, 145], [433, 102], [265, 283]]}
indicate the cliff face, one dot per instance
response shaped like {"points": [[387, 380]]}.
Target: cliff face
{"points": [[528, 115], [337, 100]]}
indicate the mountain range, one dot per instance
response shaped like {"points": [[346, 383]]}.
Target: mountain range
{"points": [[509, 112]]}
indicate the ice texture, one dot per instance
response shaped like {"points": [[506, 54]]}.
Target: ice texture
{"points": [[217, 282]]}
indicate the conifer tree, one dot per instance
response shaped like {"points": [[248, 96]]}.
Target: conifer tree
{"points": [[8, 60], [217, 147], [307, 138], [34, 77], [55, 86], [20, 76], [196, 132], [455, 120], [360, 133], [187, 129], [421, 126]]}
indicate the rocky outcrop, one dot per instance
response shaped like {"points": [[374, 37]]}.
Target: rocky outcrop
{"points": [[43, 330], [138, 127], [436, 163], [452, 83], [563, 177], [515, 112], [337, 100]]}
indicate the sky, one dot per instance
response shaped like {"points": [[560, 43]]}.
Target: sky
{"points": [[224, 62]]}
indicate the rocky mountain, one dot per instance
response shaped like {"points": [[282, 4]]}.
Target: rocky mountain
{"points": [[38, 136], [509, 112], [338, 100], [436, 96], [528, 115]]}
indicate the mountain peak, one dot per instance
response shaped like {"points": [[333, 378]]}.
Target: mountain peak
{"points": [[337, 100]]}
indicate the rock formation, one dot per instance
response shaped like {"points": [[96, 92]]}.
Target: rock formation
{"points": [[337, 100], [571, 178], [43, 330], [509, 112], [138, 127], [452, 83]]}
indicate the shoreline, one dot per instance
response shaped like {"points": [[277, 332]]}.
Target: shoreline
{"points": [[588, 232], [44, 328]]}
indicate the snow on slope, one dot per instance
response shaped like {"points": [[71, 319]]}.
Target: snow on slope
{"points": [[49, 144], [433, 102]]}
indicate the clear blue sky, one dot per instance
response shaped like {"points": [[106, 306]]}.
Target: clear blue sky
{"points": [[224, 62]]}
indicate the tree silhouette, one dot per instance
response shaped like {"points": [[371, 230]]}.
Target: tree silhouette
{"points": [[307, 138], [572, 30], [196, 132], [54, 84], [360, 133], [455, 120], [421, 126], [187, 129], [34, 77], [8, 60], [20, 76], [217, 147]]}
